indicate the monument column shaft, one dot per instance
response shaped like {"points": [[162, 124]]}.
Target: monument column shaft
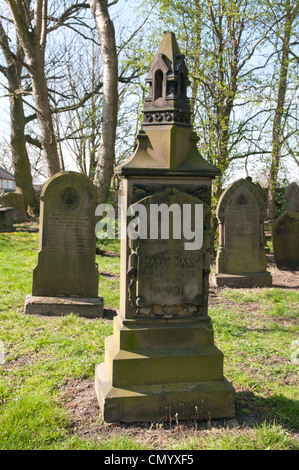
{"points": [[165, 270]]}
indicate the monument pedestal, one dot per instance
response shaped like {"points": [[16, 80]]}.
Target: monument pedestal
{"points": [[175, 367], [240, 280], [84, 307]]}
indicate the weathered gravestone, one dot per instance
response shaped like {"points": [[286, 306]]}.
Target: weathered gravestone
{"points": [[266, 232], [6, 219], [285, 236], [161, 359], [292, 197], [66, 277], [16, 201], [241, 259]]}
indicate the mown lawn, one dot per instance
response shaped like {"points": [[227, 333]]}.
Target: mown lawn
{"points": [[42, 357]]}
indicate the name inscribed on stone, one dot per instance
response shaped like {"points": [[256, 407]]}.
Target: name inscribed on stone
{"points": [[168, 276]]}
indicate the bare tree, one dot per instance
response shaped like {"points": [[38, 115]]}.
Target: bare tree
{"points": [[33, 37], [290, 10], [81, 127], [105, 165], [20, 160]]}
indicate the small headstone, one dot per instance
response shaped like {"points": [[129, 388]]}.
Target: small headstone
{"points": [[241, 259], [6, 220], [292, 197], [285, 236], [66, 267], [16, 201]]}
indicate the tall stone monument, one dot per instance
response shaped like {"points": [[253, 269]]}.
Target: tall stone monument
{"points": [[66, 277], [285, 236], [241, 259], [161, 359]]}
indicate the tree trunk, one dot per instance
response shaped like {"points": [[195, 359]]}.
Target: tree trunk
{"points": [[43, 110], [32, 37], [20, 160], [105, 165], [277, 133]]}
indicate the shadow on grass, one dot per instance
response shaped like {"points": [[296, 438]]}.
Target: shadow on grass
{"points": [[252, 410], [109, 313], [280, 286], [107, 253]]}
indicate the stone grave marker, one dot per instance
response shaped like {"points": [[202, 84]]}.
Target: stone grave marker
{"points": [[161, 359], [16, 201], [292, 197], [267, 233], [66, 277], [241, 259], [285, 236], [6, 219]]}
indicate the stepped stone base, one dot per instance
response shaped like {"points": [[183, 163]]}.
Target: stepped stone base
{"points": [[156, 369], [263, 279], [84, 307], [190, 400]]}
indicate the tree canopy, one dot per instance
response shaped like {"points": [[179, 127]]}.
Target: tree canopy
{"points": [[75, 72]]}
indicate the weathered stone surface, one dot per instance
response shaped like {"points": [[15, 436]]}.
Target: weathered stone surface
{"points": [[67, 242], [65, 279], [171, 279], [244, 280], [241, 212], [6, 219], [85, 307], [158, 402], [16, 201], [154, 366], [285, 236], [292, 197], [266, 237]]}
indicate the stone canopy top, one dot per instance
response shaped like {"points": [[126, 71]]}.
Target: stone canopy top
{"points": [[166, 145], [168, 79]]}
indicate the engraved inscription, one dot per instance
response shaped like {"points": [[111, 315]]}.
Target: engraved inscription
{"points": [[175, 275], [164, 279], [71, 233]]}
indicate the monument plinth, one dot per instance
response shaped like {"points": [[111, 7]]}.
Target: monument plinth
{"points": [[161, 359]]}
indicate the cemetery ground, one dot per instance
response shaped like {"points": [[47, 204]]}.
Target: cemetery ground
{"points": [[47, 397]]}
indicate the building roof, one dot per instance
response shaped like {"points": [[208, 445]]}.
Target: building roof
{"points": [[6, 175]]}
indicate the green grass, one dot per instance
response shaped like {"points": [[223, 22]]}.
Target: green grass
{"points": [[255, 329], [273, 302]]}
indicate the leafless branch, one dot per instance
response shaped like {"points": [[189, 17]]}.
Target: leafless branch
{"points": [[31, 140]]}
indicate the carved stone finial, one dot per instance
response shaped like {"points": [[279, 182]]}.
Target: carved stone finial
{"points": [[167, 100]]}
